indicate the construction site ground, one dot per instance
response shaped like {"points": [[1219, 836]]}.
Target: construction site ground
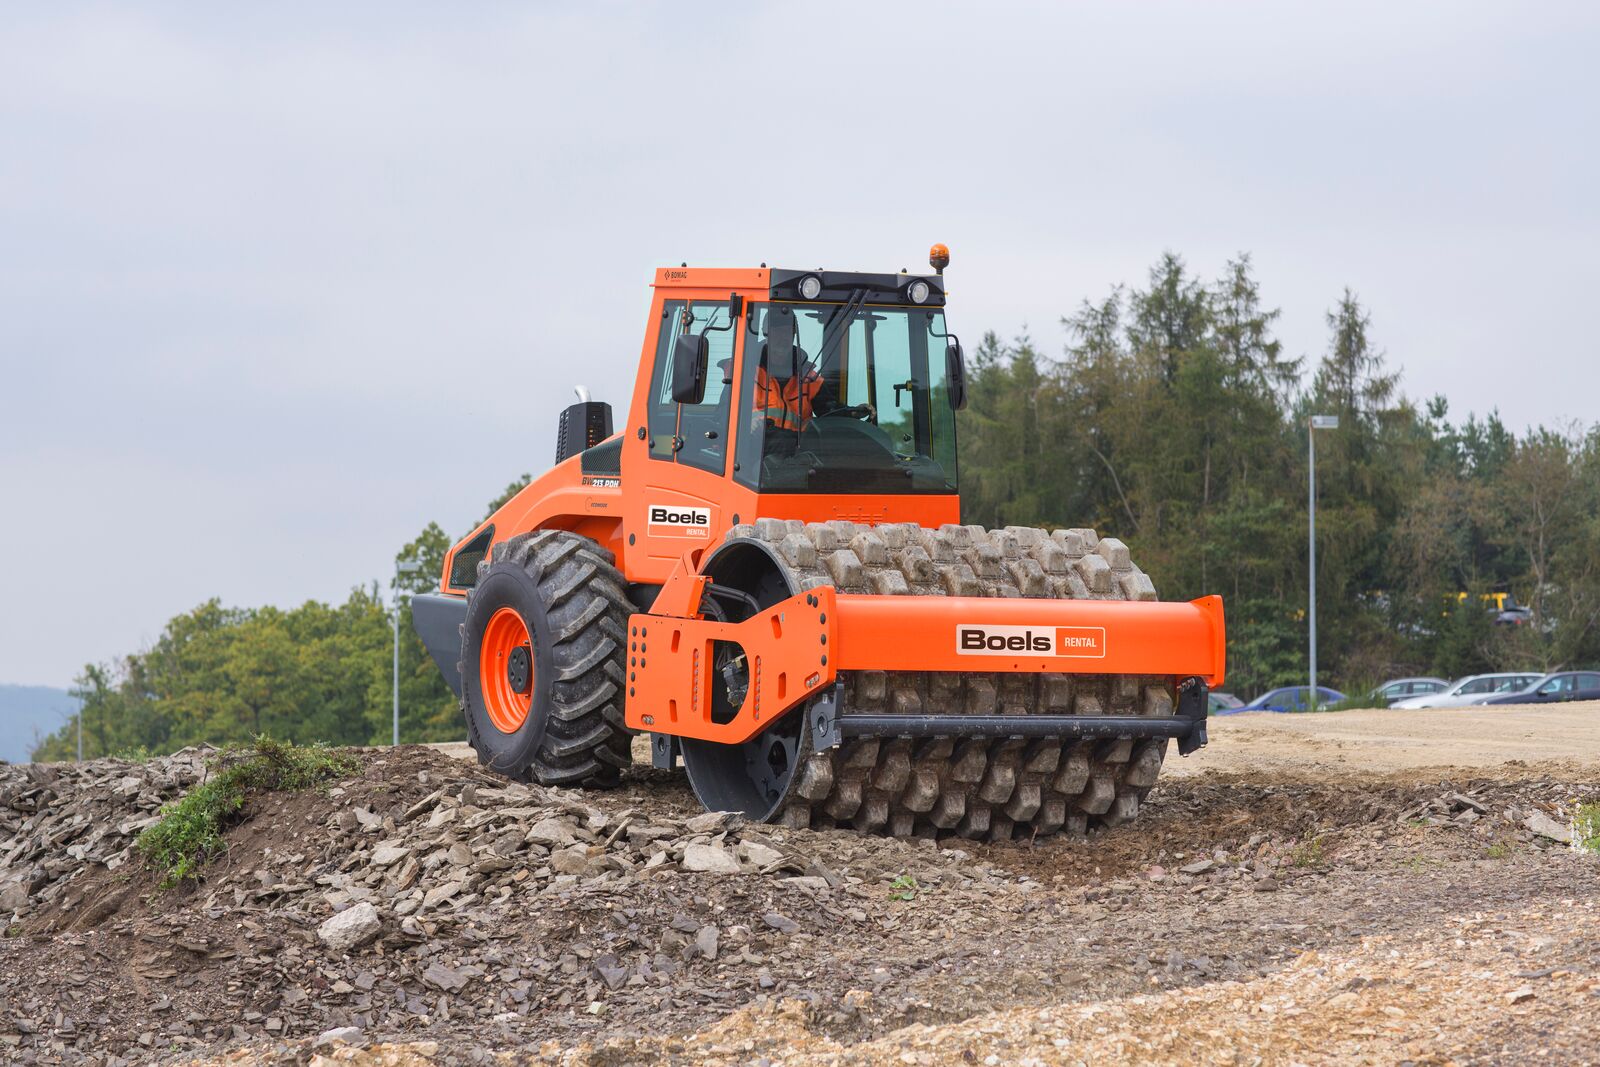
{"points": [[1352, 887]]}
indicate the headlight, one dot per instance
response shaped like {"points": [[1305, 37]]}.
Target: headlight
{"points": [[811, 287], [917, 291]]}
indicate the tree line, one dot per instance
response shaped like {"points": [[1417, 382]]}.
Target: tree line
{"points": [[316, 672], [1173, 419]]}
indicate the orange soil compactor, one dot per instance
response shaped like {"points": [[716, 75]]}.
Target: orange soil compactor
{"points": [[765, 569]]}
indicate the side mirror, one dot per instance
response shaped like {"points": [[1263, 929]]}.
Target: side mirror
{"points": [[955, 376], [689, 357]]}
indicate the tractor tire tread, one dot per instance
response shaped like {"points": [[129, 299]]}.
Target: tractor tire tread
{"points": [[586, 742]]}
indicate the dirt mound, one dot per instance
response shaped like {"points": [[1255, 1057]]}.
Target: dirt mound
{"points": [[613, 901], [273, 832], [61, 821]]}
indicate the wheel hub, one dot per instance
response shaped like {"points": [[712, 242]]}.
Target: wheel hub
{"points": [[505, 670], [518, 669], [771, 759]]}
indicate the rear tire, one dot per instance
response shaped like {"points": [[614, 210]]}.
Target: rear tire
{"points": [[556, 715]]}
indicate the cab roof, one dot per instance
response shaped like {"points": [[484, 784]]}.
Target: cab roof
{"points": [[784, 284]]}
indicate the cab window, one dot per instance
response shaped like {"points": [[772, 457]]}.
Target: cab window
{"points": [[845, 400], [694, 434]]}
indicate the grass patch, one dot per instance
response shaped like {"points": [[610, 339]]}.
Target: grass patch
{"points": [[1309, 854], [1586, 827], [904, 887], [1499, 850], [190, 831]]}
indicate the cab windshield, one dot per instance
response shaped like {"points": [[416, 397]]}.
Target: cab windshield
{"points": [[842, 399]]}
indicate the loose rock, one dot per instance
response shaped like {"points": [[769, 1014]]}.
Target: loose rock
{"points": [[709, 858], [351, 928]]}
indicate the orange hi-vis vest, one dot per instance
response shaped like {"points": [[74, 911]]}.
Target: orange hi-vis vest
{"points": [[786, 404]]}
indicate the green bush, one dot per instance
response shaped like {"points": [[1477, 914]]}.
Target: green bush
{"points": [[190, 831]]}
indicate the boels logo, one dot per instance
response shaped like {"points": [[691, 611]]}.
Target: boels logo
{"points": [[674, 521], [1083, 642]]}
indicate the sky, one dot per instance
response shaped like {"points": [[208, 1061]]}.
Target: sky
{"points": [[280, 284]]}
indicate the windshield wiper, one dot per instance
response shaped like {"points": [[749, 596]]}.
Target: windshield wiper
{"points": [[837, 322]]}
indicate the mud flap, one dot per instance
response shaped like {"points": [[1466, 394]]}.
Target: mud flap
{"points": [[665, 750], [1194, 705], [437, 620]]}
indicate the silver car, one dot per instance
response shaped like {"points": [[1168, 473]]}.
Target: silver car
{"points": [[1398, 689], [1473, 689]]}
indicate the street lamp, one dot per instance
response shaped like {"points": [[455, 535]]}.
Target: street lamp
{"points": [[403, 566], [1318, 422]]}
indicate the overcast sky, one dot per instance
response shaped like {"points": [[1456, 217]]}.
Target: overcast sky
{"points": [[279, 284]]}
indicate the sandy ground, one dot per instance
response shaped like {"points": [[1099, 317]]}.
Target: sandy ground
{"points": [[1383, 740]]}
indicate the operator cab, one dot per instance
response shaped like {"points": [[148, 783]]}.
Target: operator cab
{"points": [[846, 383]]}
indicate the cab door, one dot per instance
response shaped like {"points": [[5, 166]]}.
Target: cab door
{"points": [[685, 489]]}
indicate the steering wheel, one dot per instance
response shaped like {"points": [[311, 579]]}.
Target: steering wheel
{"points": [[852, 411]]}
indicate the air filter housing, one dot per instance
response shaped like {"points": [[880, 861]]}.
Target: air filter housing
{"points": [[582, 426]]}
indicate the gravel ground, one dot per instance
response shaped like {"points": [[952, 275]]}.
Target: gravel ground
{"points": [[1287, 915]]}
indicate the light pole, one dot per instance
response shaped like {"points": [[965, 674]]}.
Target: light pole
{"points": [[401, 567], [1318, 422]]}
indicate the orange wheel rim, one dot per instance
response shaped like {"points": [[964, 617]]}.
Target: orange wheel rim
{"points": [[505, 670]]}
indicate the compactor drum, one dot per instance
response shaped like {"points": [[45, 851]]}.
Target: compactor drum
{"points": [[765, 569]]}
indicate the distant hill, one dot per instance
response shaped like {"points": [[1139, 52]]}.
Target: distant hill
{"points": [[27, 714]]}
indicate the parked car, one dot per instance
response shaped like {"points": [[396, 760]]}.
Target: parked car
{"points": [[1510, 613], [1473, 689], [1400, 688], [1220, 702], [1289, 698], [1502, 608], [1562, 685]]}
